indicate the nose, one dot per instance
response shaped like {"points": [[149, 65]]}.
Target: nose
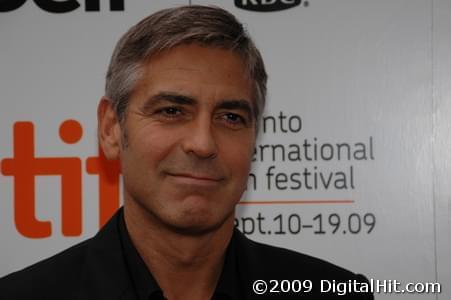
{"points": [[200, 140]]}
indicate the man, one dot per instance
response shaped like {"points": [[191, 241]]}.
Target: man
{"points": [[184, 92]]}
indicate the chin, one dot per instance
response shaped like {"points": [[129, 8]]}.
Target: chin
{"points": [[195, 222]]}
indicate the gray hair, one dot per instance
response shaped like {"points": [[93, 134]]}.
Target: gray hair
{"points": [[204, 25]]}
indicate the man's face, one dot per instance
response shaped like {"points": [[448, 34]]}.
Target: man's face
{"points": [[190, 133]]}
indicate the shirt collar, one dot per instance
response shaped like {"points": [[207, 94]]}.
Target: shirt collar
{"points": [[145, 285], [228, 286]]}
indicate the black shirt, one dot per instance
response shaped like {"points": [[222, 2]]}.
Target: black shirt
{"points": [[146, 287], [108, 267]]}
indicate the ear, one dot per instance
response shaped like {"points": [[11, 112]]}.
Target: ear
{"points": [[109, 129]]}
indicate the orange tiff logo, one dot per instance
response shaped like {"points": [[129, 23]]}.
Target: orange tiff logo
{"points": [[24, 166]]}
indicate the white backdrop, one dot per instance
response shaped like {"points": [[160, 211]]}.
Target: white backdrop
{"points": [[368, 79]]}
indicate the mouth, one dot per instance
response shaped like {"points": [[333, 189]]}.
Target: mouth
{"points": [[195, 179]]}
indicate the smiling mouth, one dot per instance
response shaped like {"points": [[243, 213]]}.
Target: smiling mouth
{"points": [[195, 179]]}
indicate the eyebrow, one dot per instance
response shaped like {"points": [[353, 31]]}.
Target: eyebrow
{"points": [[176, 98], [171, 97]]}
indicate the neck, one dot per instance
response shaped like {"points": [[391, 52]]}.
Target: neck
{"points": [[193, 261]]}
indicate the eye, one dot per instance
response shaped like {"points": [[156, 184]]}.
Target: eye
{"points": [[170, 112], [233, 117], [234, 120]]}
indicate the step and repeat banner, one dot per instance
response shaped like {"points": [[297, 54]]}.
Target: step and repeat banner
{"points": [[353, 161]]}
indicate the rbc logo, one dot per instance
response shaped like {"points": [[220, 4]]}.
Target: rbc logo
{"points": [[24, 166], [61, 6]]}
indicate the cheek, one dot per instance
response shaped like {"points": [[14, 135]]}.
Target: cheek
{"points": [[152, 145], [239, 158]]}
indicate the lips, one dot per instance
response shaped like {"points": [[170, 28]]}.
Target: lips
{"points": [[196, 179], [196, 176]]}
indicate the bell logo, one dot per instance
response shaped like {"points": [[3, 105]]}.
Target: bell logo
{"points": [[24, 166], [61, 6], [269, 5]]}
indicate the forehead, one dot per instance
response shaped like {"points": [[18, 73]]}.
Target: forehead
{"points": [[196, 70]]}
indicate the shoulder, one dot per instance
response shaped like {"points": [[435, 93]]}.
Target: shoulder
{"points": [[93, 269], [272, 264], [57, 273], [288, 262]]}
